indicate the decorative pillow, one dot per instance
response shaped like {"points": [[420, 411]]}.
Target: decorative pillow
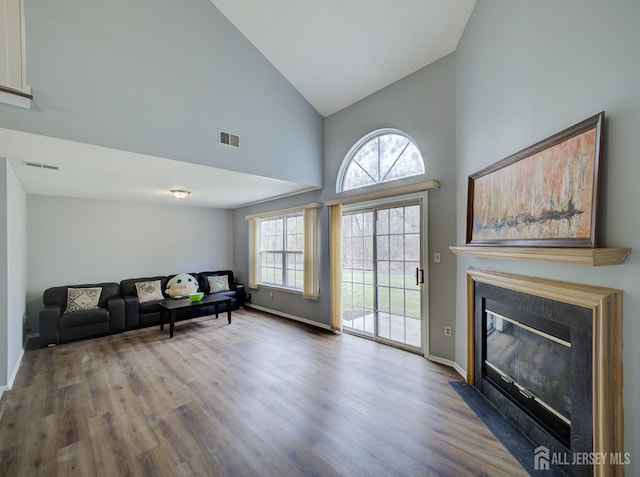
{"points": [[149, 291], [81, 299], [181, 285], [219, 284]]}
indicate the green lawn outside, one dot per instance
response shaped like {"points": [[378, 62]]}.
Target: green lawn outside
{"points": [[358, 293]]}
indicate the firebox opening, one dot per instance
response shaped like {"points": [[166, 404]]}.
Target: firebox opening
{"points": [[528, 359]]}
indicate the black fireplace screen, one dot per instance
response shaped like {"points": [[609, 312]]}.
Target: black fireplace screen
{"points": [[533, 361], [536, 363]]}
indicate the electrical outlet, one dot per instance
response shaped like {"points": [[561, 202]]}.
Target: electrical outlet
{"points": [[447, 331], [436, 257]]}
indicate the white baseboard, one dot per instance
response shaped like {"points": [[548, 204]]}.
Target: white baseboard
{"points": [[450, 363], [2, 390], [437, 359], [461, 371], [13, 375], [287, 315]]}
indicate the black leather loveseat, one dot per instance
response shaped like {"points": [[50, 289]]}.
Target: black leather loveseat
{"points": [[69, 313]]}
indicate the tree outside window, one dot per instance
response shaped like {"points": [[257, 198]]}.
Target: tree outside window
{"points": [[281, 251], [382, 156]]}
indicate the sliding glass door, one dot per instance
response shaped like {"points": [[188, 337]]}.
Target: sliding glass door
{"points": [[358, 287], [382, 273]]}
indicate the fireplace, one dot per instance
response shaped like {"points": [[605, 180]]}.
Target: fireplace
{"points": [[548, 355], [537, 353]]}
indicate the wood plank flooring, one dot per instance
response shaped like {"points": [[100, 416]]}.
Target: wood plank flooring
{"points": [[264, 396]]}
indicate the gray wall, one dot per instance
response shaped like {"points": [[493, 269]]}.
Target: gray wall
{"points": [[13, 279], [160, 77], [73, 241], [526, 70], [423, 106]]}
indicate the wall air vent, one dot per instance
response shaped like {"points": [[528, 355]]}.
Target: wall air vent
{"points": [[229, 139], [41, 166]]}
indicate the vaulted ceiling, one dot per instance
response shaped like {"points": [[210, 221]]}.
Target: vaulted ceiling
{"points": [[334, 52]]}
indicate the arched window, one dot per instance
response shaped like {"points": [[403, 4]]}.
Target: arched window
{"points": [[381, 156]]}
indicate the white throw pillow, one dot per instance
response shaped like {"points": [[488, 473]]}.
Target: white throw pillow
{"points": [[82, 299], [149, 291], [219, 284]]}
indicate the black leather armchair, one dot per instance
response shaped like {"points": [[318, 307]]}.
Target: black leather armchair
{"points": [[56, 326], [140, 315]]}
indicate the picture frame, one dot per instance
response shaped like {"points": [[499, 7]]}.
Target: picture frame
{"points": [[546, 195]]}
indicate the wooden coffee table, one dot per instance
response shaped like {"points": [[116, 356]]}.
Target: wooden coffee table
{"points": [[172, 306]]}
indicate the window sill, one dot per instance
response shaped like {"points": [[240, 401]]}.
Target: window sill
{"points": [[276, 287], [15, 97]]}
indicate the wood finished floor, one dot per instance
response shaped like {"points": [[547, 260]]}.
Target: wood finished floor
{"points": [[264, 396]]}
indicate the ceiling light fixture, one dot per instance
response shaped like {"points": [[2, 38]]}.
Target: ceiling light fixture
{"points": [[180, 194]]}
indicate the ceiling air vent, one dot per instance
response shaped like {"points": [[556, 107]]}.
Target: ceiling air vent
{"points": [[228, 139], [41, 166]]}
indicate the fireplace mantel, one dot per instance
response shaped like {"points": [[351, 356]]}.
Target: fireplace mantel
{"points": [[592, 257]]}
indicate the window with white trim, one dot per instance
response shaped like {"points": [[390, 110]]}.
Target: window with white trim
{"points": [[382, 156], [281, 249]]}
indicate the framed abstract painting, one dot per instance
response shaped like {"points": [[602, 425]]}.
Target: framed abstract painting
{"points": [[543, 196]]}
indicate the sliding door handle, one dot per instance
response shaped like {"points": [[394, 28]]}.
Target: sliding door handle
{"points": [[419, 276]]}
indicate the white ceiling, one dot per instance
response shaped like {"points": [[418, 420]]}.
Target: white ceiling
{"points": [[334, 52], [94, 172], [337, 52]]}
